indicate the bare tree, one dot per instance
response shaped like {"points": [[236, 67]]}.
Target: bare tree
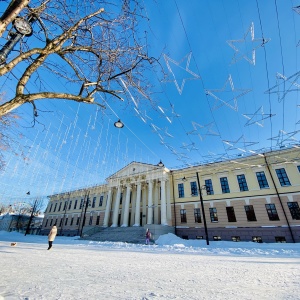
{"points": [[93, 47]]}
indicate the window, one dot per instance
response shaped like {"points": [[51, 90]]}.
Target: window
{"points": [[91, 220], [101, 201], [250, 213], [194, 189], [121, 198], [224, 185], [70, 204], [55, 207], [217, 238], [51, 222], [71, 223], [94, 202], [98, 220], [50, 207], [242, 183], [46, 223], [209, 187], [60, 222], [66, 222], [257, 239], [213, 214], [280, 239], [235, 238], [282, 177], [298, 168], [78, 220], [59, 206], [230, 214], [272, 212], [294, 210], [75, 205], [197, 215], [180, 190], [65, 205], [81, 203], [262, 180], [183, 215]]}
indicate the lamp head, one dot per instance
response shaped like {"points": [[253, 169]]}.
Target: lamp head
{"points": [[119, 124]]}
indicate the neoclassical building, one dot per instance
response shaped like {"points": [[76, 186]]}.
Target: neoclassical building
{"points": [[254, 198]]}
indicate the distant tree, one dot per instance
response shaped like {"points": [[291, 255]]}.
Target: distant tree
{"points": [[92, 47]]}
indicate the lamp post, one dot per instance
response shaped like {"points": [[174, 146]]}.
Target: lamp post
{"points": [[202, 207], [31, 217], [86, 203]]}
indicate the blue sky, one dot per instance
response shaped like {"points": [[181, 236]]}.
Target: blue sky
{"points": [[231, 90]]}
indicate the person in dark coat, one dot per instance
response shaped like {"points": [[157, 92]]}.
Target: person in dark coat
{"points": [[148, 236]]}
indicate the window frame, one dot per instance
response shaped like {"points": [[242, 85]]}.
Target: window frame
{"points": [[283, 177], [224, 185], [183, 218], [197, 215], [230, 214], [213, 213], [194, 188], [209, 187], [250, 213], [180, 190], [241, 178], [294, 210], [272, 212], [262, 180]]}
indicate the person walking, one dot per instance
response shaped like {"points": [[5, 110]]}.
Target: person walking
{"points": [[51, 236], [148, 236]]}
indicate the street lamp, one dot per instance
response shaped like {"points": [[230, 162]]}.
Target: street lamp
{"points": [[86, 203], [119, 124], [202, 207], [160, 164]]}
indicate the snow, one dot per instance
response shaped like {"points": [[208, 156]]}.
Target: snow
{"points": [[173, 268]]}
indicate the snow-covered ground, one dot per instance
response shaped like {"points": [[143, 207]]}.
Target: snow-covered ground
{"points": [[171, 269]]}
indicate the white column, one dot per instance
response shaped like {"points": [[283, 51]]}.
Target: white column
{"points": [[107, 209], [137, 205], [168, 195], [150, 202], [163, 208], [126, 208], [116, 208]]}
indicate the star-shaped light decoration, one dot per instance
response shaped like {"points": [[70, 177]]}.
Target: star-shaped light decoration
{"points": [[288, 84], [189, 147], [126, 88], [257, 118], [155, 128], [239, 144], [186, 69], [232, 91], [285, 137], [202, 130], [254, 44]]}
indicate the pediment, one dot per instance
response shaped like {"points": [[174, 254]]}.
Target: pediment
{"points": [[133, 169]]}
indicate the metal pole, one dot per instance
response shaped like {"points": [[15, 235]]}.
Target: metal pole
{"points": [[279, 198], [31, 217], [203, 212], [85, 209]]}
